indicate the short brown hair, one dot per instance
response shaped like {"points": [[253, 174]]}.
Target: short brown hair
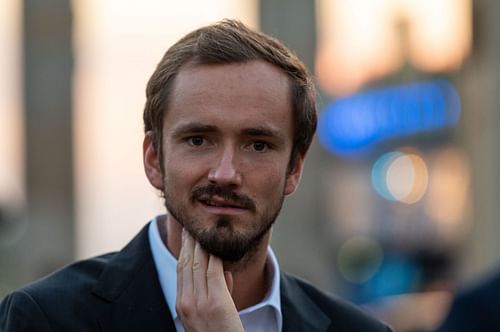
{"points": [[226, 42]]}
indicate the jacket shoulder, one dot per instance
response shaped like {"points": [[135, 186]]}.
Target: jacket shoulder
{"points": [[20, 312], [344, 316], [74, 278], [56, 295]]}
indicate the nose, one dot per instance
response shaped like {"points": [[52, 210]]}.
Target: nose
{"points": [[225, 172]]}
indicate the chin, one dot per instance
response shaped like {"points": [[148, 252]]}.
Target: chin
{"points": [[229, 244]]}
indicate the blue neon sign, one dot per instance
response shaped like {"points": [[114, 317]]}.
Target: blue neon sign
{"points": [[352, 124]]}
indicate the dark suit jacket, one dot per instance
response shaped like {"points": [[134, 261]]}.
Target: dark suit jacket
{"points": [[476, 308], [121, 292]]}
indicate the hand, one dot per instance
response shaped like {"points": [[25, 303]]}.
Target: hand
{"points": [[204, 300]]}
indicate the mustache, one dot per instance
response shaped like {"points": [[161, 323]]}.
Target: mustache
{"points": [[210, 190]]}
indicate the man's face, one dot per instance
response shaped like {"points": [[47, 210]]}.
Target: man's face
{"points": [[227, 140]]}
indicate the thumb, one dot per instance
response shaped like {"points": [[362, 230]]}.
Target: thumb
{"points": [[229, 281]]}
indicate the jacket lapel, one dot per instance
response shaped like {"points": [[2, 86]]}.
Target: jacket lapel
{"points": [[299, 312], [131, 290], [131, 299]]}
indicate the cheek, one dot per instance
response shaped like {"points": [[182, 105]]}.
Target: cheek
{"points": [[181, 176], [270, 183]]}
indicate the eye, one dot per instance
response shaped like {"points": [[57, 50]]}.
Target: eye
{"points": [[260, 146], [196, 140]]}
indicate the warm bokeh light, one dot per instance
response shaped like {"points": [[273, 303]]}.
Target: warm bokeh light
{"points": [[11, 119], [379, 173], [118, 44], [448, 194], [362, 40], [407, 178], [440, 33], [400, 176], [440, 180], [356, 42]]}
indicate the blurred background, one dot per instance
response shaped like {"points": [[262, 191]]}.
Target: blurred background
{"points": [[399, 203]]}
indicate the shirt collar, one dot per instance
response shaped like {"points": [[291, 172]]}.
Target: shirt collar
{"points": [[166, 264]]}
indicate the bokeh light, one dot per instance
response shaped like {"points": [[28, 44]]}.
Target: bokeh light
{"points": [[407, 178], [359, 258], [439, 34], [397, 275], [399, 176], [433, 35], [379, 174], [348, 55], [448, 194]]}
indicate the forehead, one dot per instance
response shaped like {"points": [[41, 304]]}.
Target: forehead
{"points": [[239, 95]]}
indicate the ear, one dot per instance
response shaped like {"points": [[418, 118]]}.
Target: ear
{"points": [[293, 177], [152, 162]]}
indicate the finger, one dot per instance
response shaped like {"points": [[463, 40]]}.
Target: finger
{"points": [[180, 269], [228, 276], [200, 265], [216, 282], [186, 265]]}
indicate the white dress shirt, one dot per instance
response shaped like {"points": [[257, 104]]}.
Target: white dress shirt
{"points": [[263, 316]]}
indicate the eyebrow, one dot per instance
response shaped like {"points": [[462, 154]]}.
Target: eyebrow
{"points": [[198, 127], [263, 132], [193, 127]]}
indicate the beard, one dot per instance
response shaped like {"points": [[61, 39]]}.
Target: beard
{"points": [[223, 240]]}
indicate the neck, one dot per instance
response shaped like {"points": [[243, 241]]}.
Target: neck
{"points": [[250, 275]]}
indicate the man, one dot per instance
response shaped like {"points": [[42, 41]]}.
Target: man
{"points": [[229, 117], [475, 308]]}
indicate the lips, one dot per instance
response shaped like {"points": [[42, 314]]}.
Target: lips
{"points": [[222, 199], [219, 206], [221, 203]]}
